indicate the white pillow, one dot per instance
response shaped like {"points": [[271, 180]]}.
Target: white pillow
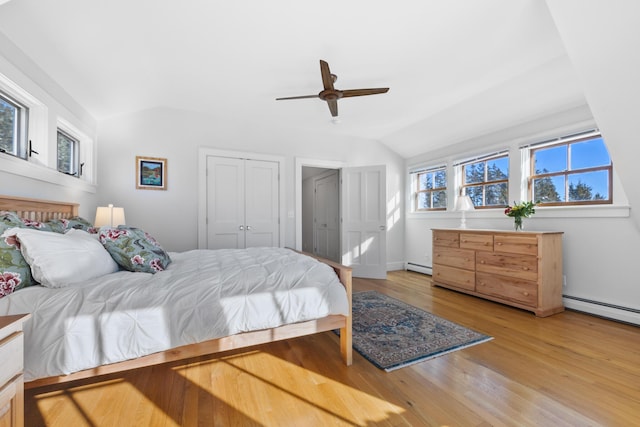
{"points": [[57, 260]]}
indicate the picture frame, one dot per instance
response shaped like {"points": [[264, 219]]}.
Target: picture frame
{"points": [[151, 173]]}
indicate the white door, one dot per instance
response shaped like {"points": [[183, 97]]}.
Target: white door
{"points": [[326, 221], [262, 222], [242, 203], [225, 202], [364, 235]]}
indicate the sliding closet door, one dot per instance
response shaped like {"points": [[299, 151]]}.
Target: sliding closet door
{"points": [[242, 203]]}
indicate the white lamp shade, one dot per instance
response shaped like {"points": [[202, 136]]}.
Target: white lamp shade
{"points": [[109, 215], [464, 204]]}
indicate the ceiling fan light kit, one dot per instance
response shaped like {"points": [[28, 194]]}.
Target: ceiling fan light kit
{"points": [[331, 95]]}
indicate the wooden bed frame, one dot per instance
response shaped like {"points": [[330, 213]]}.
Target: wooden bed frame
{"points": [[43, 210]]}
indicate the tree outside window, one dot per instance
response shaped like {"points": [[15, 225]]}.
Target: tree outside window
{"points": [[12, 115], [486, 181], [68, 154], [431, 189], [572, 172]]}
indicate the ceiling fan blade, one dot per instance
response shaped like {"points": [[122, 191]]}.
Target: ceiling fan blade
{"points": [[333, 107], [327, 79], [363, 92], [298, 97]]}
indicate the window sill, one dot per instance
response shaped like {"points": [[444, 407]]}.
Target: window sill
{"points": [[595, 211], [33, 170]]}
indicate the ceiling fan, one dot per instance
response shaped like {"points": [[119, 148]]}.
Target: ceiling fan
{"points": [[331, 94]]}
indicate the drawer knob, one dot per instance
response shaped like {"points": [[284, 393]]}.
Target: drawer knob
{"points": [[499, 243], [526, 294]]}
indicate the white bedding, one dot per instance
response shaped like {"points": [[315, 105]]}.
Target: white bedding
{"points": [[203, 294]]}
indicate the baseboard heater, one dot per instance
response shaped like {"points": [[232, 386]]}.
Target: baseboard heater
{"points": [[419, 268], [603, 309]]}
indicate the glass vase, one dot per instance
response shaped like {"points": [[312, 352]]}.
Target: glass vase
{"points": [[517, 222]]}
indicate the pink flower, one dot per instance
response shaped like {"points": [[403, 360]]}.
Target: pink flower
{"points": [[65, 222], [137, 260], [31, 223], [156, 265], [93, 230], [12, 241], [8, 283], [112, 234], [151, 239]]}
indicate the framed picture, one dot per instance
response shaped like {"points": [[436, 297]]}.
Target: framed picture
{"points": [[151, 173]]}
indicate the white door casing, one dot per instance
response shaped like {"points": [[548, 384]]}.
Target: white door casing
{"points": [[364, 235]]}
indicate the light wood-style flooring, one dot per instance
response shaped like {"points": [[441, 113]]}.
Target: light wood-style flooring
{"points": [[570, 369]]}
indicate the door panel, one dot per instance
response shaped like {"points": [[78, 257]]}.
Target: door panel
{"points": [[364, 221], [262, 219], [225, 202], [242, 203], [326, 217]]}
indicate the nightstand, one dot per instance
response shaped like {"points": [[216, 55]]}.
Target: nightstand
{"points": [[11, 380]]}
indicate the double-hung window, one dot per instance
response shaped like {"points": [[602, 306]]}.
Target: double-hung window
{"points": [[486, 180], [68, 154], [13, 127], [430, 189], [574, 170]]}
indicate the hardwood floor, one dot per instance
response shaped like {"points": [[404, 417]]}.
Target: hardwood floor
{"points": [[568, 369]]}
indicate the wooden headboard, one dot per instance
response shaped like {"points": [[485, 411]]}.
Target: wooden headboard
{"points": [[38, 210]]}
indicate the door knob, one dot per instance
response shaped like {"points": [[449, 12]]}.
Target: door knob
{"points": [[248, 228], [241, 228]]}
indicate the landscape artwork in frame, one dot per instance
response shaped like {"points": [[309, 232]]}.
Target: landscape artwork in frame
{"points": [[151, 173]]}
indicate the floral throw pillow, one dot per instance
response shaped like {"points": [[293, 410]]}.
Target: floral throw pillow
{"points": [[78, 223], [15, 273], [133, 249]]}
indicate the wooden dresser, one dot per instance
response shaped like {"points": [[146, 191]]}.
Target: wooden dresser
{"points": [[11, 380], [522, 269]]}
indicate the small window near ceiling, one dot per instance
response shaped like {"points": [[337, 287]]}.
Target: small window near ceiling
{"points": [[486, 180], [13, 127], [575, 171], [68, 154], [430, 189]]}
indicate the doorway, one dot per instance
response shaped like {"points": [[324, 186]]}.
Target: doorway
{"points": [[321, 212]]}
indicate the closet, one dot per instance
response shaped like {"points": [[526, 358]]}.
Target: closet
{"points": [[242, 202]]}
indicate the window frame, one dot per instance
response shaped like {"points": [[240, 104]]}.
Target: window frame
{"points": [[21, 137], [568, 141], [464, 186], [74, 161], [416, 192]]}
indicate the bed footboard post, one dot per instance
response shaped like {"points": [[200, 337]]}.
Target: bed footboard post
{"points": [[346, 341]]}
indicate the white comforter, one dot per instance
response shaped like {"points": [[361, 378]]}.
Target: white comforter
{"points": [[204, 294]]}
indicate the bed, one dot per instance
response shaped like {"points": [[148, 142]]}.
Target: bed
{"points": [[314, 296]]}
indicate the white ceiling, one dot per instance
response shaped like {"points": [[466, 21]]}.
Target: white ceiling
{"points": [[456, 69]]}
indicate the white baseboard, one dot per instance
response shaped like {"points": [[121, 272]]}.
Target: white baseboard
{"points": [[424, 269], [604, 310], [393, 266]]}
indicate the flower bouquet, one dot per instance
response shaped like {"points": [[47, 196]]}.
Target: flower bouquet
{"points": [[519, 211]]}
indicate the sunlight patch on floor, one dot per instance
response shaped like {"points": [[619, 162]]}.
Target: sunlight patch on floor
{"points": [[264, 383]]}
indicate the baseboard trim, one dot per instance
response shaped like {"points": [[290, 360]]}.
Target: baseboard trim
{"points": [[418, 268], [609, 311]]}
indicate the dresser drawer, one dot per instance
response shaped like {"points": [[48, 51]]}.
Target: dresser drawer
{"points": [[456, 277], [449, 239], [479, 242], [517, 290], [12, 357], [516, 244], [512, 265], [461, 258]]}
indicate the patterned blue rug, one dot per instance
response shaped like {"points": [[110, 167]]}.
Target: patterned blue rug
{"points": [[392, 334]]}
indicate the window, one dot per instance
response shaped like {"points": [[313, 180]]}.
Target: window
{"points": [[574, 171], [486, 180], [13, 126], [430, 189], [68, 154]]}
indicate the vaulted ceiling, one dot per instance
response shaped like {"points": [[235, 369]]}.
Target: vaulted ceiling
{"points": [[457, 69]]}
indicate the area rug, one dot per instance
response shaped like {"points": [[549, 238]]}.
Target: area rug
{"points": [[392, 334]]}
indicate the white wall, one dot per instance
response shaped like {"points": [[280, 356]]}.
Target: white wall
{"points": [[171, 215], [600, 245]]}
